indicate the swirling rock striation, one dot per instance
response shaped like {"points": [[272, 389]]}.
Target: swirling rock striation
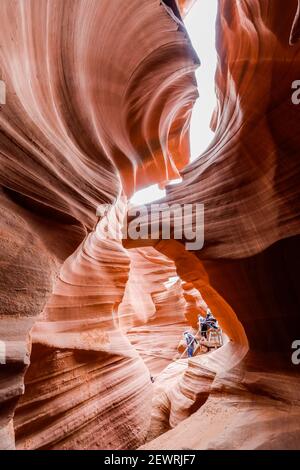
{"points": [[248, 180], [98, 102], [99, 99], [153, 310]]}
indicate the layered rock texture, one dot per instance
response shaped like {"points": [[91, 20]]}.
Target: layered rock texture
{"points": [[99, 98]]}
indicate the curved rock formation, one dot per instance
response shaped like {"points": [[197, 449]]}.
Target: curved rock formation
{"points": [[80, 124], [98, 103], [153, 313], [248, 180], [26, 278], [83, 370]]}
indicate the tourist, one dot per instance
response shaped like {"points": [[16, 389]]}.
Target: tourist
{"points": [[190, 341], [210, 320], [202, 325]]}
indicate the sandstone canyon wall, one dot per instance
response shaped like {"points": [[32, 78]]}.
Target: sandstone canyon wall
{"points": [[80, 124], [99, 100], [248, 180]]}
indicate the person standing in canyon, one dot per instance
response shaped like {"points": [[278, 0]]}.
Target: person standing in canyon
{"points": [[191, 342], [209, 322]]}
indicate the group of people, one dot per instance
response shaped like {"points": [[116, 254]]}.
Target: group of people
{"points": [[205, 324]]}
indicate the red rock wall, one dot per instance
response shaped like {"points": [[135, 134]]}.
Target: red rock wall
{"points": [[248, 180], [153, 313], [99, 98], [83, 370]]}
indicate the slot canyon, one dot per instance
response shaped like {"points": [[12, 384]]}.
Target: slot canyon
{"points": [[99, 96]]}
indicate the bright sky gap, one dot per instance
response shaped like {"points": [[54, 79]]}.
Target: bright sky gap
{"points": [[200, 24]]}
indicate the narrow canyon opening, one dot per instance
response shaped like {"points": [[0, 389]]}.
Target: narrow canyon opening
{"points": [[200, 24], [154, 310], [102, 115]]}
